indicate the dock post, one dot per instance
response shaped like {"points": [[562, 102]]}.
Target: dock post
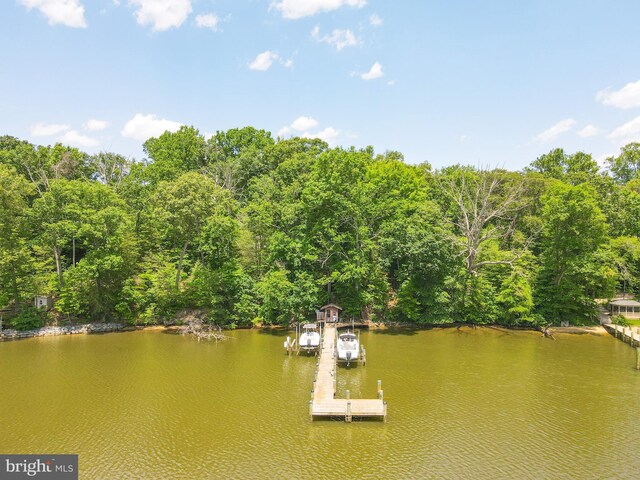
{"points": [[381, 395], [348, 417], [379, 387], [311, 409], [637, 358], [348, 395]]}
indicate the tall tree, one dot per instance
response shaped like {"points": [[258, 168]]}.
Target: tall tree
{"points": [[174, 153], [15, 256], [626, 166], [576, 265], [184, 207]]}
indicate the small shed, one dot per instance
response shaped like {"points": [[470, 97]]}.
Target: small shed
{"points": [[43, 301], [329, 313], [626, 308]]}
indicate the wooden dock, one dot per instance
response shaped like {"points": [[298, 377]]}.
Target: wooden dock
{"points": [[323, 402], [626, 334]]}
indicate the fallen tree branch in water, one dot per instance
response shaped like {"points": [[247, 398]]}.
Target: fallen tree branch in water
{"points": [[203, 331]]}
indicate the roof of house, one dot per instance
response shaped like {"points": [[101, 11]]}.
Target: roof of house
{"points": [[330, 305], [625, 303]]}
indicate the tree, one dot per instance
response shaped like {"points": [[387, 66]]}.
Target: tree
{"points": [[109, 168], [626, 166], [174, 153], [237, 156], [574, 168], [43, 164], [184, 207], [576, 265], [626, 251], [486, 207], [16, 260], [88, 229]]}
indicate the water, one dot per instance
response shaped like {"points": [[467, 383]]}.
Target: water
{"points": [[462, 404]]}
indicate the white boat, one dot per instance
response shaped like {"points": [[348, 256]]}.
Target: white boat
{"points": [[310, 337], [348, 347]]}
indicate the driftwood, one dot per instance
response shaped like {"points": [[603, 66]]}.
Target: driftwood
{"points": [[546, 333], [202, 331]]}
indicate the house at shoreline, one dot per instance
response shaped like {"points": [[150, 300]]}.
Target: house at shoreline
{"points": [[626, 308]]}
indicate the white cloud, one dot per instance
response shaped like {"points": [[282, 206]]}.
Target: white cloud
{"points": [[373, 73], [143, 127], [161, 14], [629, 132], [75, 139], [304, 123], [338, 38], [301, 126], [284, 131], [64, 12], [264, 60], [391, 83], [558, 129], [589, 131], [94, 125], [47, 130], [627, 97], [209, 20], [375, 20], [294, 9], [329, 134]]}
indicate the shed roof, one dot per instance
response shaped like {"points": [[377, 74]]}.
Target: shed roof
{"points": [[330, 305], [625, 303]]}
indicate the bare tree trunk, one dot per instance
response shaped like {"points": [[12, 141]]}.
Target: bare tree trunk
{"points": [[56, 255], [16, 295], [182, 254]]}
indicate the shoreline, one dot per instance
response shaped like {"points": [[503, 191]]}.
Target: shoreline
{"points": [[112, 327]]}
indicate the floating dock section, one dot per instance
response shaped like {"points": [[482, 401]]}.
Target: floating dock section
{"points": [[323, 402]]}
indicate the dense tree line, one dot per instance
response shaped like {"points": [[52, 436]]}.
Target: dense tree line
{"points": [[251, 229]]}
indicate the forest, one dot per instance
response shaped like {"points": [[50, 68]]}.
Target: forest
{"points": [[252, 230]]}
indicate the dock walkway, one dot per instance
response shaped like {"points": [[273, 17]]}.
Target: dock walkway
{"points": [[324, 403], [626, 334]]}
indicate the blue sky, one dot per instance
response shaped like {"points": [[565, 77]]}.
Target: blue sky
{"points": [[491, 83]]}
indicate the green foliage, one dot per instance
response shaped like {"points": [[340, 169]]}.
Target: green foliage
{"points": [[254, 230], [576, 264], [28, 319], [626, 166], [174, 154], [574, 169]]}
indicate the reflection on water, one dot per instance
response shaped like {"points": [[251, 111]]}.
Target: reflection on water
{"points": [[462, 404]]}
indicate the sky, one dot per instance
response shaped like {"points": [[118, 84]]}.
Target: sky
{"points": [[494, 83]]}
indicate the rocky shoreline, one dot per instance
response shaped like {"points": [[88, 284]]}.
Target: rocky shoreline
{"points": [[66, 330], [49, 331]]}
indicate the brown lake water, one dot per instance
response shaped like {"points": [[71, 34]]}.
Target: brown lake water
{"points": [[462, 404]]}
